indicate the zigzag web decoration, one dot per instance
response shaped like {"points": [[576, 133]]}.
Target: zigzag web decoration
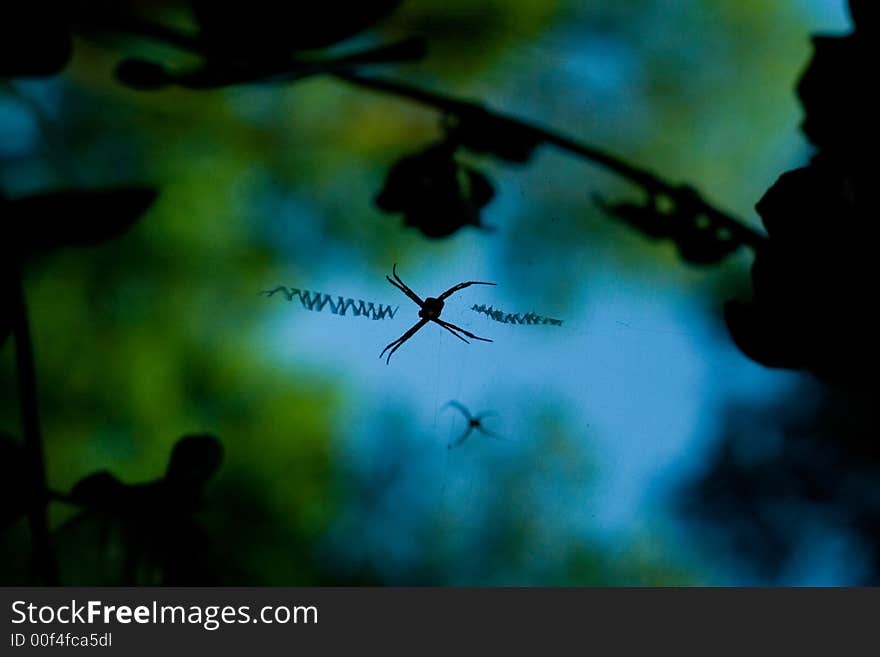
{"points": [[511, 318], [338, 305]]}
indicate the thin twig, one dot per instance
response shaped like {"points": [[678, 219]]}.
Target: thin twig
{"points": [[649, 181], [45, 564]]}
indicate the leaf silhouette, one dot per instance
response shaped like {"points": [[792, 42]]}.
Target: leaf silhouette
{"points": [[813, 280], [864, 14], [148, 530], [837, 94], [72, 218], [194, 461], [435, 192], [102, 491], [760, 335]]}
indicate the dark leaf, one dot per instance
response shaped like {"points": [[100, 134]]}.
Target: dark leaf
{"points": [[758, 337], [34, 39], [138, 537], [194, 460], [100, 491], [146, 533], [866, 15], [73, 218], [813, 282], [798, 205], [435, 192], [837, 92], [267, 27]]}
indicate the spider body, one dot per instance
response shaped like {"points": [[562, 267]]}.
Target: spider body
{"points": [[475, 423], [429, 311]]}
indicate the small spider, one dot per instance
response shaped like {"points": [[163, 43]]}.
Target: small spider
{"points": [[429, 311], [474, 423]]}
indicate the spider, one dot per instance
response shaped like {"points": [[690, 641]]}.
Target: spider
{"points": [[429, 311], [474, 423]]}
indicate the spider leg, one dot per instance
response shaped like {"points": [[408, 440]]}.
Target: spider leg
{"points": [[458, 328], [461, 438], [447, 327], [486, 414], [459, 406], [412, 295], [400, 285], [461, 286], [491, 434], [403, 338], [397, 344]]}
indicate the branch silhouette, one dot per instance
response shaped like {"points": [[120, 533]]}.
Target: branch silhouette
{"points": [[526, 135], [650, 182]]}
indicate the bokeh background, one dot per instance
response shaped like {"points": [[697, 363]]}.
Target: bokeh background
{"points": [[336, 468]]}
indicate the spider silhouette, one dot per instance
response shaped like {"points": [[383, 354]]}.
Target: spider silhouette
{"points": [[474, 423], [429, 311]]}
